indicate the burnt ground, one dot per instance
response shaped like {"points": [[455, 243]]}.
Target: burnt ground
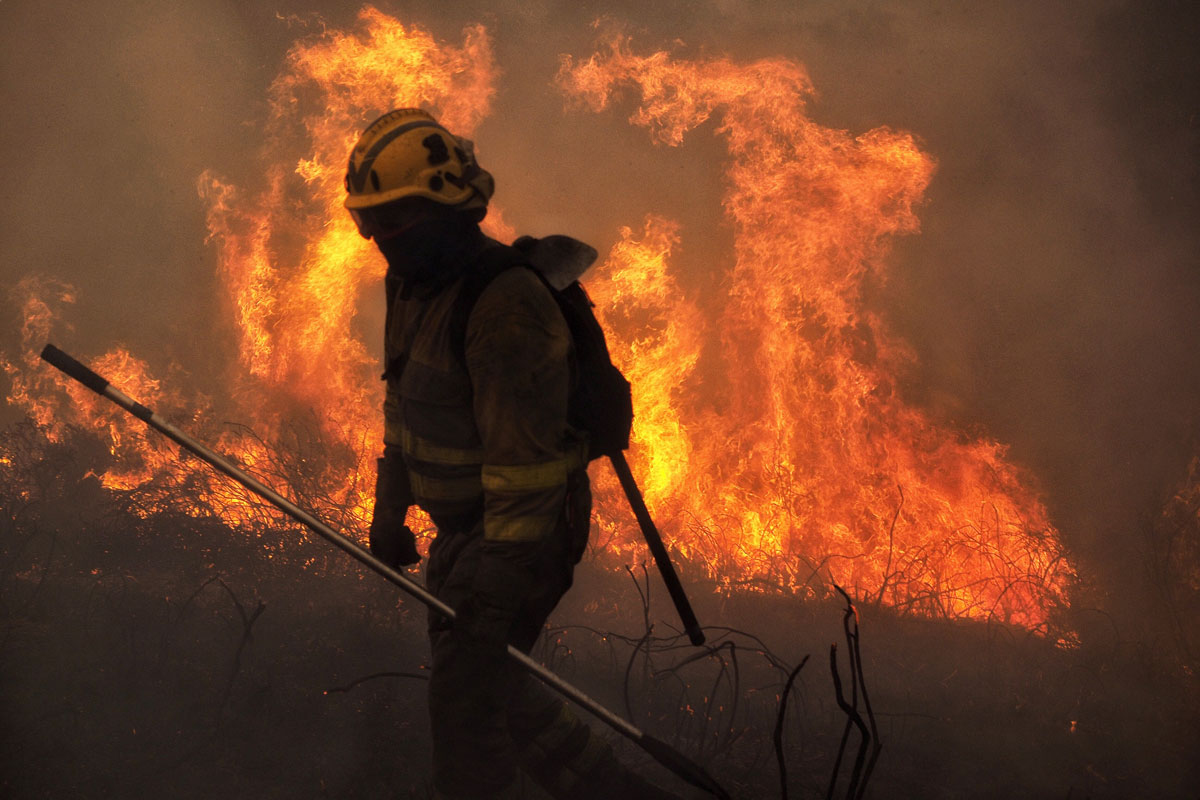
{"points": [[171, 656]]}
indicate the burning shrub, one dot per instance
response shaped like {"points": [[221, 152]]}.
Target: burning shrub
{"points": [[1173, 559]]}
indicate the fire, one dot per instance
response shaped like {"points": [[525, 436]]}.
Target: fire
{"points": [[795, 457], [771, 442]]}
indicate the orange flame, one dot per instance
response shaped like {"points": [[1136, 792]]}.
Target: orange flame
{"points": [[292, 267], [769, 437], [794, 456]]}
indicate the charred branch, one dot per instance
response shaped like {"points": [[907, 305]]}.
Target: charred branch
{"points": [[869, 744], [778, 735]]}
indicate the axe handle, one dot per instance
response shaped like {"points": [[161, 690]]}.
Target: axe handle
{"points": [[657, 549]]}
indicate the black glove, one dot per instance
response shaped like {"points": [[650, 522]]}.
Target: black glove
{"points": [[392, 542]]}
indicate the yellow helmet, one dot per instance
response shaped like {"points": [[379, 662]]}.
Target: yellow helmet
{"points": [[406, 153]]}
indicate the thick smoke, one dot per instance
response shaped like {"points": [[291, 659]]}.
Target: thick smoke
{"points": [[1051, 296]]}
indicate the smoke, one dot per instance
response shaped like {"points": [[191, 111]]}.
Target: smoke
{"points": [[111, 114], [1051, 297]]}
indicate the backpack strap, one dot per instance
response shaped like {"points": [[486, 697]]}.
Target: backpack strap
{"points": [[601, 401], [488, 266]]}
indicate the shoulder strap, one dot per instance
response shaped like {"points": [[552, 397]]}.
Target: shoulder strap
{"points": [[488, 266], [601, 401]]}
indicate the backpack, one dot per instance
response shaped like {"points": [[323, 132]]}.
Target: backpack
{"points": [[601, 402]]}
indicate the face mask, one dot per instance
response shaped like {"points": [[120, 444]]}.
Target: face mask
{"points": [[430, 250]]}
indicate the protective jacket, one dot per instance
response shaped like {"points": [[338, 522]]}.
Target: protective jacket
{"points": [[477, 408], [485, 437], [477, 405]]}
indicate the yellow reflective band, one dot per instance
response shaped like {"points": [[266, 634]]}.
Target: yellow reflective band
{"points": [[393, 431], [426, 488], [526, 477], [596, 751], [424, 450], [517, 529], [553, 735], [570, 773]]}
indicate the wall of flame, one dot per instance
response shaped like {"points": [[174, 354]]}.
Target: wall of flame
{"points": [[771, 438]]}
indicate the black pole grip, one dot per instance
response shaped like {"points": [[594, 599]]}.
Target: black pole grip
{"points": [[657, 548], [74, 369]]}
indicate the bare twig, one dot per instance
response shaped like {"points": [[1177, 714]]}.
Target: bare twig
{"points": [[644, 641], [887, 569], [869, 736], [420, 676], [248, 620], [783, 700]]}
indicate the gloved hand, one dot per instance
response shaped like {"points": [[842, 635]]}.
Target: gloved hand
{"points": [[392, 542]]}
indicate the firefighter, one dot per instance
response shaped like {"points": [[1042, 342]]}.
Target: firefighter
{"points": [[476, 433]]}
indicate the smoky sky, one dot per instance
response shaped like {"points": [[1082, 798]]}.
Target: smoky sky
{"points": [[1051, 296]]}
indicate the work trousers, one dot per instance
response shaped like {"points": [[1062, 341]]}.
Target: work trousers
{"points": [[489, 717]]}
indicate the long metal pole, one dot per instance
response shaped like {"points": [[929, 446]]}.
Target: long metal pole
{"points": [[657, 548], [666, 755]]}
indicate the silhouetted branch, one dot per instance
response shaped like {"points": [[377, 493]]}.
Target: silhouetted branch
{"points": [[869, 735], [420, 676], [887, 569], [248, 620], [649, 630], [783, 699]]}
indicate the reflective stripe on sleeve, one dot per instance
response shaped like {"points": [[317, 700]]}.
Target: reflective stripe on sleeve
{"points": [[443, 489], [424, 450], [517, 529], [393, 429], [525, 477]]}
